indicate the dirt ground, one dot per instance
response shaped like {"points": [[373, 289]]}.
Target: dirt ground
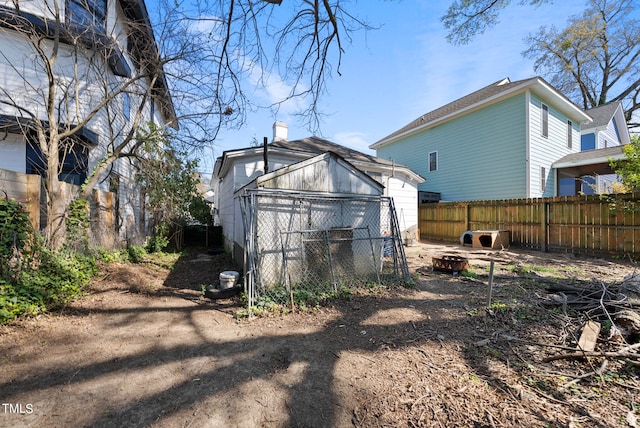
{"points": [[145, 348]]}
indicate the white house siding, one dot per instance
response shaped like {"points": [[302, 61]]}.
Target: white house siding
{"points": [[225, 210], [243, 171], [28, 86], [14, 152], [327, 174], [247, 169], [543, 151], [16, 52], [608, 137], [468, 170], [405, 199], [37, 7]]}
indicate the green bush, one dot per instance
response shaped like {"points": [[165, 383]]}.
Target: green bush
{"points": [[78, 223], [136, 253], [58, 278], [159, 241], [15, 229], [34, 279]]}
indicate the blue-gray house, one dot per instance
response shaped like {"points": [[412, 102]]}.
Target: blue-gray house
{"points": [[608, 128], [499, 142], [602, 139]]}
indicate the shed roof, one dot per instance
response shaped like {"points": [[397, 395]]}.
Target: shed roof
{"points": [[320, 145], [312, 146], [317, 145]]}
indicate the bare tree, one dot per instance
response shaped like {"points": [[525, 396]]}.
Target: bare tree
{"points": [[67, 74], [241, 45], [466, 19], [72, 76], [594, 60]]}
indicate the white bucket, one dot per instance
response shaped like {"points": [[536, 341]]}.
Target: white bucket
{"points": [[228, 279]]}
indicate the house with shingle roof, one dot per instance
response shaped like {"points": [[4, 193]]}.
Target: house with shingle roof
{"points": [[607, 129], [499, 142], [103, 80], [601, 140], [236, 168]]}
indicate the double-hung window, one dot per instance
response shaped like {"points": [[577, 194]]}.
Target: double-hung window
{"points": [[545, 120], [569, 134], [433, 161], [126, 106], [87, 14]]}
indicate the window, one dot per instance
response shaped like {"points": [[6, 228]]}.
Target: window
{"points": [[126, 105], [87, 13], [569, 134], [152, 111], [73, 157], [433, 161], [543, 179], [545, 120]]}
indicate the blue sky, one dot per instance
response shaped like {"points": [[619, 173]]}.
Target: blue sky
{"points": [[406, 68]]}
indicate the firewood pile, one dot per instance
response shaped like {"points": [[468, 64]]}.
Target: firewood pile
{"points": [[609, 316]]}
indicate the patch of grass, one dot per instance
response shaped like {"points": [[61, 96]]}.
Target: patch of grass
{"points": [[499, 307], [469, 274]]}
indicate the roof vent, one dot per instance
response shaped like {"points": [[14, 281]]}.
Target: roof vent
{"points": [[504, 81]]}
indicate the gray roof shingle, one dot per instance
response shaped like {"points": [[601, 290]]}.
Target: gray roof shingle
{"points": [[591, 155], [601, 115], [489, 91], [319, 145]]}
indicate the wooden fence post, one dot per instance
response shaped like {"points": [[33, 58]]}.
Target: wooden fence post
{"points": [[467, 216], [544, 226]]}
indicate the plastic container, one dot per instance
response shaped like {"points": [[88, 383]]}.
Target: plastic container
{"points": [[228, 279]]}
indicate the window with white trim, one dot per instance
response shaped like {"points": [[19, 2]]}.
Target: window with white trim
{"points": [[433, 161], [543, 179], [545, 120], [569, 134]]}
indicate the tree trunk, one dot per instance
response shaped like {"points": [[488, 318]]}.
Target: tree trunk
{"points": [[55, 232]]}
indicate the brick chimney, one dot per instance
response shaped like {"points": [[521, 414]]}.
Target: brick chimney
{"points": [[280, 131]]}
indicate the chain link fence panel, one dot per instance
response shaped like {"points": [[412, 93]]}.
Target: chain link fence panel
{"points": [[302, 247]]}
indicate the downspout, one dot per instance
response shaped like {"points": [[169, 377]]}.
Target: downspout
{"points": [[528, 144]]}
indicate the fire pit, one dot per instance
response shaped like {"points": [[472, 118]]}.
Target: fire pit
{"points": [[450, 263]]}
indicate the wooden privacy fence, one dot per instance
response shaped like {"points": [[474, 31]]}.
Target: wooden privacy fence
{"points": [[596, 224], [29, 190], [24, 188]]}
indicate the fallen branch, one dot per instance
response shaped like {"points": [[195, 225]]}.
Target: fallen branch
{"points": [[585, 354], [597, 372]]}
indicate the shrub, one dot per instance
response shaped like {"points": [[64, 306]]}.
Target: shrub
{"points": [[34, 279], [78, 225], [136, 253], [15, 229]]}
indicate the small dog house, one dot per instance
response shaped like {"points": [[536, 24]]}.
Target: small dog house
{"points": [[491, 239]]}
